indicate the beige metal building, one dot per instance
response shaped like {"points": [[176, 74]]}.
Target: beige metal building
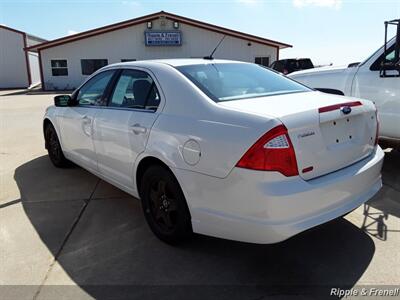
{"points": [[18, 68], [66, 62]]}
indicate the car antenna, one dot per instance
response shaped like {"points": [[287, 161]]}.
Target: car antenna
{"points": [[215, 49]]}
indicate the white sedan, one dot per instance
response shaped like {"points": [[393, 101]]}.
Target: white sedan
{"points": [[221, 148]]}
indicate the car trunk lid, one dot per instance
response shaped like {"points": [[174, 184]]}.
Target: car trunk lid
{"points": [[327, 132]]}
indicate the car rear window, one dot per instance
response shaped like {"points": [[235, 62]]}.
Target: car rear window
{"points": [[234, 81]]}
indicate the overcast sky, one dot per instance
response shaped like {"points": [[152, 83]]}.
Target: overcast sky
{"points": [[328, 31]]}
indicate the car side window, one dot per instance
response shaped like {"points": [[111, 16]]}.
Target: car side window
{"points": [[91, 93], [135, 89]]}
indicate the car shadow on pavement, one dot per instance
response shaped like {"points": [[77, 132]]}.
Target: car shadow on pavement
{"points": [[100, 240]]}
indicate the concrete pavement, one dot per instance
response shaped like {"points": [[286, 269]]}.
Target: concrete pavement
{"points": [[66, 234]]}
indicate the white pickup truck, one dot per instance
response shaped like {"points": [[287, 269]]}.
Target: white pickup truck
{"points": [[370, 80]]}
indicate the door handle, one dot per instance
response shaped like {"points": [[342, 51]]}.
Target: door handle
{"points": [[136, 129]]}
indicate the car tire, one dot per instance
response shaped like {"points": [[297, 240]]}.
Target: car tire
{"points": [[54, 149], [164, 205]]}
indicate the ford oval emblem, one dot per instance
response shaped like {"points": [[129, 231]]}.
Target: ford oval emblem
{"points": [[345, 109]]}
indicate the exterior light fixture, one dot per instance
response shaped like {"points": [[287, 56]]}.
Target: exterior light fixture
{"points": [[176, 24], [149, 25]]}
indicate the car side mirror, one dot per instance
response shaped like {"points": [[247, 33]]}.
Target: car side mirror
{"points": [[62, 100], [390, 67]]}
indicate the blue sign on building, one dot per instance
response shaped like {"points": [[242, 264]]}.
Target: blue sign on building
{"points": [[163, 38]]}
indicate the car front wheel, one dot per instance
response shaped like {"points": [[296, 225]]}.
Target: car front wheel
{"points": [[164, 205], [54, 148]]}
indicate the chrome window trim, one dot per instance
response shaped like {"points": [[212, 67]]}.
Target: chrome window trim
{"points": [[117, 68], [116, 108]]}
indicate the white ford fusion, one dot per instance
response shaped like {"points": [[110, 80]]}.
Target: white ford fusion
{"points": [[221, 148]]}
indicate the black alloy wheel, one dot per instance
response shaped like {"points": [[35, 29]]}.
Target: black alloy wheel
{"points": [[164, 205], [54, 148]]}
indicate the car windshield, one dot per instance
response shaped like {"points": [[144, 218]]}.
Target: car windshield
{"points": [[234, 81]]}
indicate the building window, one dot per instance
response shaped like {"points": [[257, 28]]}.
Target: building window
{"points": [[127, 59], [262, 60], [89, 66], [59, 67]]}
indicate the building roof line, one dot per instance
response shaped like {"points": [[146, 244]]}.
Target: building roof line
{"points": [[150, 17], [22, 32], [227, 31], [12, 29], [35, 37]]}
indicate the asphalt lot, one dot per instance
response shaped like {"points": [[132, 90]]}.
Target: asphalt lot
{"points": [[66, 234]]}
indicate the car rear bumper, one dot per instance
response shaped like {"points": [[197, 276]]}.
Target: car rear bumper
{"points": [[267, 207]]}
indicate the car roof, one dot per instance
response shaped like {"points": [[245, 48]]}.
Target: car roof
{"points": [[176, 62]]}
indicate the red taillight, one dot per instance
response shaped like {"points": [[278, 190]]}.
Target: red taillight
{"points": [[377, 128], [272, 152]]}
